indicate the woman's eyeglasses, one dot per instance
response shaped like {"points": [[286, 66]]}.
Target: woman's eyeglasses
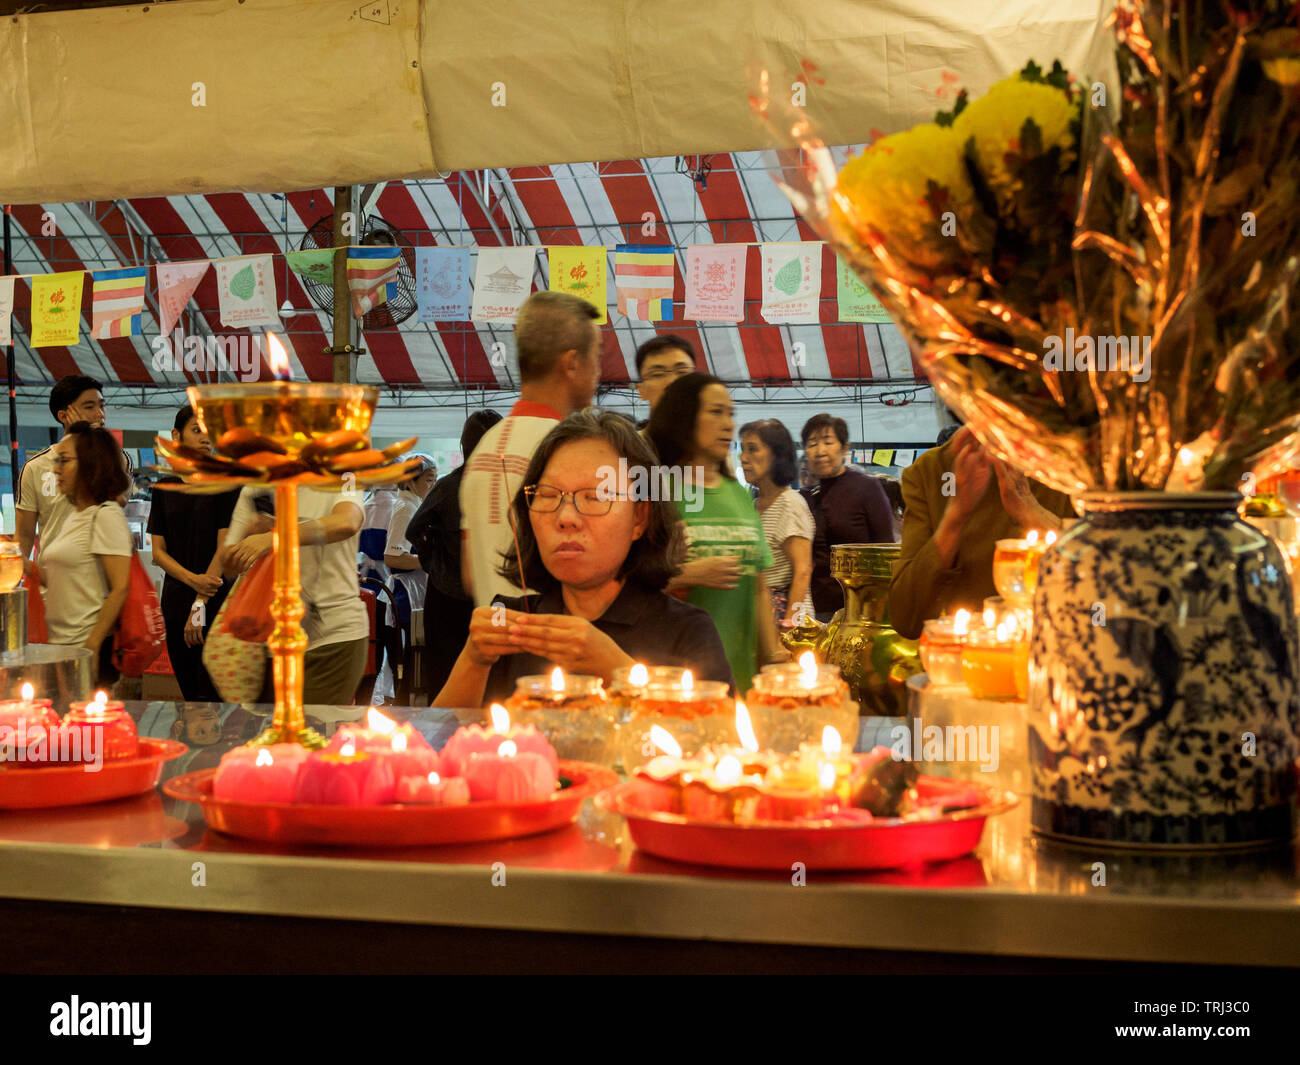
{"points": [[591, 502]]}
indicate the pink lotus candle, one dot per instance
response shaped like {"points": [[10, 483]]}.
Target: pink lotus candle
{"points": [[118, 738], [433, 790], [405, 749], [346, 777], [260, 774], [510, 775], [474, 739]]}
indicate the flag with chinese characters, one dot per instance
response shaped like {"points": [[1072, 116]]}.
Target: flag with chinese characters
{"points": [[581, 272], [176, 284], [882, 457], [442, 284], [643, 281], [117, 302], [904, 457], [56, 309], [315, 264], [246, 291], [715, 282], [6, 310], [792, 282], [857, 303], [372, 276], [503, 279]]}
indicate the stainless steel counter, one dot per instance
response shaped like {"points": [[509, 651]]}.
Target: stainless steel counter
{"points": [[1017, 895]]}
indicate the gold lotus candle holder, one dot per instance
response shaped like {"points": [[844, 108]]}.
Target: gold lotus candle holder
{"points": [[286, 434]]}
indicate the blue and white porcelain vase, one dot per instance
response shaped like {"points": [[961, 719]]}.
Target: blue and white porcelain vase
{"points": [[1164, 679]]}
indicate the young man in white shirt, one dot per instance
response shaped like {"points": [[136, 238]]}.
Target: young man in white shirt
{"points": [[558, 343], [41, 508]]}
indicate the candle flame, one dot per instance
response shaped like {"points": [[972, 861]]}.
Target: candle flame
{"points": [[826, 776], [1031, 537], [276, 356], [101, 697], [264, 757], [27, 692], [831, 742], [961, 623], [435, 779], [990, 618], [663, 739], [745, 728], [1006, 632], [508, 749], [728, 770], [377, 722], [557, 679], [688, 680], [348, 749], [807, 669], [399, 741], [638, 676], [1051, 537], [500, 718]]}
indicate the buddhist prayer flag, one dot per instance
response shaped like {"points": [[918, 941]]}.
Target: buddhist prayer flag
{"points": [[715, 282], [117, 302], [881, 457], [792, 282], [904, 457], [643, 280], [372, 276], [56, 309], [246, 291], [857, 303], [6, 310], [503, 279], [581, 272], [316, 264], [442, 284], [176, 284]]}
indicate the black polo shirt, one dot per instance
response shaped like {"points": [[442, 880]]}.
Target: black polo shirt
{"points": [[653, 627]]}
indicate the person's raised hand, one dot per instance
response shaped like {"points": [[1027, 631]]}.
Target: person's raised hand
{"points": [[1018, 498], [574, 644], [250, 549], [489, 633], [972, 470]]}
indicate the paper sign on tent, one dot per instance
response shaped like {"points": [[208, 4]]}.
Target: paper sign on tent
{"points": [[442, 284], [56, 309], [792, 282], [246, 292], [503, 279]]}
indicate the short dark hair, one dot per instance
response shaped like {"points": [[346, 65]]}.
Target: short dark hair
{"points": [[183, 417], [653, 559], [671, 428], [661, 343], [777, 439], [818, 422], [549, 324], [472, 431], [64, 394], [101, 472]]}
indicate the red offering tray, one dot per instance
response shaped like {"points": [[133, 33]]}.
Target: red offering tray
{"points": [[71, 785], [882, 844], [394, 824]]}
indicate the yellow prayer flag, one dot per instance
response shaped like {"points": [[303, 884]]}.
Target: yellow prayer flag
{"points": [[881, 457], [56, 309], [581, 272]]}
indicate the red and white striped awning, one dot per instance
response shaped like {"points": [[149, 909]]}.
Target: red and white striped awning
{"points": [[571, 204]]}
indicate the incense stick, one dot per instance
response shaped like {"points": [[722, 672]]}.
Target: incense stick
{"points": [[514, 534]]}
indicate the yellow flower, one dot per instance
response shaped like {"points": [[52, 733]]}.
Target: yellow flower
{"points": [[888, 189], [996, 122]]}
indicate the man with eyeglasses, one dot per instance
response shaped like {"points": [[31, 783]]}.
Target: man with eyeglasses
{"points": [[558, 345], [659, 362]]}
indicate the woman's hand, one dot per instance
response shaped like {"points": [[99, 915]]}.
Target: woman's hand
{"points": [[249, 550], [719, 571], [489, 634], [193, 632], [205, 584], [1019, 501], [572, 643]]}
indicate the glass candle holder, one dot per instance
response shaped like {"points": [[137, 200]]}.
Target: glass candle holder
{"points": [[696, 716], [119, 738], [1015, 569], [792, 706], [630, 681], [572, 711], [941, 646], [988, 663]]}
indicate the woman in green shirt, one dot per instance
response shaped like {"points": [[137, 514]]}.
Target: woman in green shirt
{"points": [[691, 428]]}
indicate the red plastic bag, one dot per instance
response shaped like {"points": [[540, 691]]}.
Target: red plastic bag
{"points": [[36, 630], [140, 634], [249, 614]]}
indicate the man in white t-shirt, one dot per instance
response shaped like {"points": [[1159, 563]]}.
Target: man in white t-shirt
{"points": [[558, 343], [41, 508], [335, 618]]}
